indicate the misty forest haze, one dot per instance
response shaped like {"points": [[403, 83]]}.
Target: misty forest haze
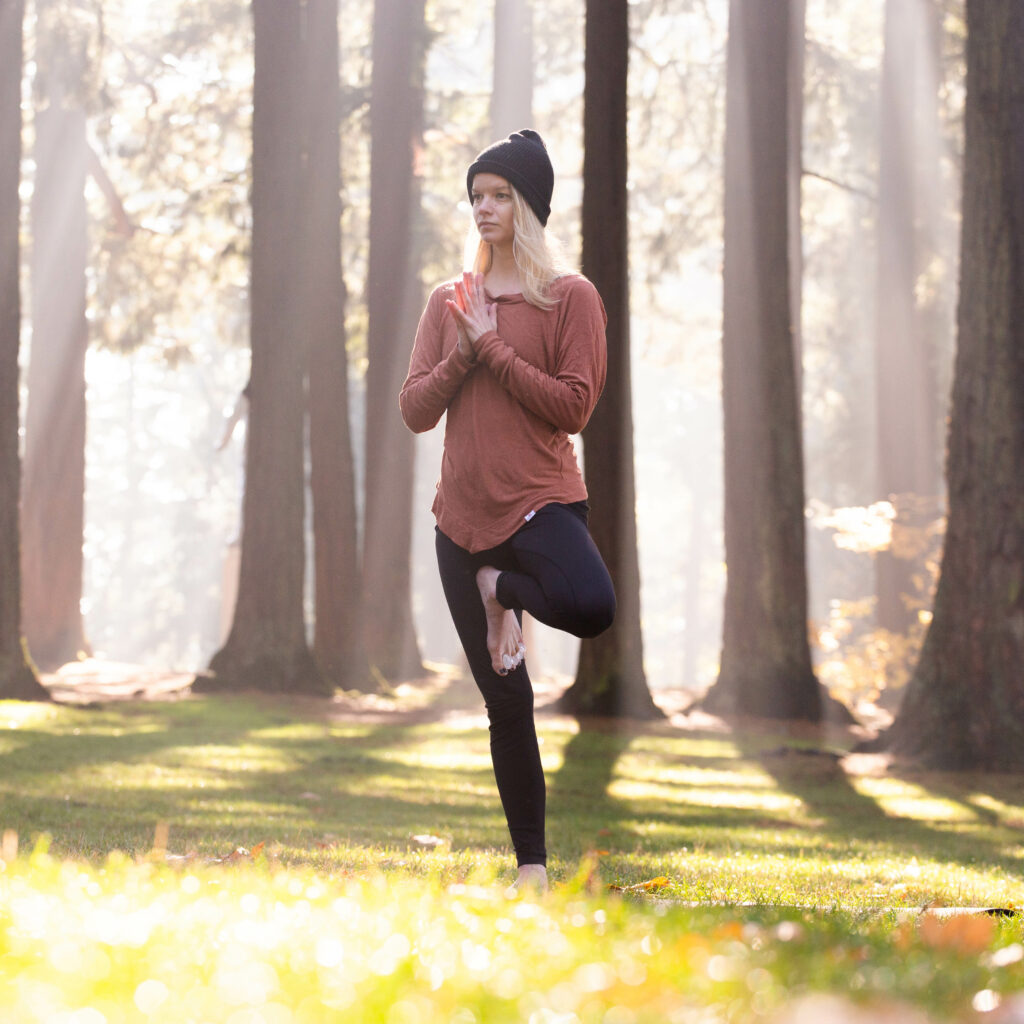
{"points": [[162, 98]]}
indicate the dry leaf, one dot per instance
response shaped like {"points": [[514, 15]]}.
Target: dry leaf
{"points": [[653, 884], [428, 840], [964, 933]]}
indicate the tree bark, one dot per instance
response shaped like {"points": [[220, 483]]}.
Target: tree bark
{"points": [[907, 441], [610, 676], [394, 301], [337, 643], [267, 648], [766, 665], [53, 495], [512, 92], [17, 676], [964, 707]]}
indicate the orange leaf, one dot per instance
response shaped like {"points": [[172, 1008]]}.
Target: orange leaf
{"points": [[651, 885], [962, 933], [661, 882]]}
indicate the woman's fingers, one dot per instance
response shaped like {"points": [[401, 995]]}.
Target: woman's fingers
{"points": [[470, 308], [473, 286], [457, 313]]}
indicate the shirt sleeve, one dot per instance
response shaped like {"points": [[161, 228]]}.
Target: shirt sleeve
{"points": [[434, 378], [567, 397]]}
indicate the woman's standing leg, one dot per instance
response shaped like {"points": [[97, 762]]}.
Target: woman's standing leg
{"points": [[515, 753]]}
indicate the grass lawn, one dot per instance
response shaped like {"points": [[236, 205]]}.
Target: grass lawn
{"points": [[753, 869]]}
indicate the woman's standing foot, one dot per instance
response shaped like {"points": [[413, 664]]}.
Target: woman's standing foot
{"points": [[532, 878]]}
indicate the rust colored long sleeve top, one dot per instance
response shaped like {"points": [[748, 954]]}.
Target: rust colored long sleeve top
{"points": [[534, 381]]}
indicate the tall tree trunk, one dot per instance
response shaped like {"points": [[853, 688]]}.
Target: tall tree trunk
{"points": [[766, 665], [394, 300], [17, 677], [512, 92], [964, 707], [53, 497], [266, 648], [337, 643], [908, 473], [610, 677]]}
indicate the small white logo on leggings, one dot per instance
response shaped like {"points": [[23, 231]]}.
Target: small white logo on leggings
{"points": [[529, 515]]}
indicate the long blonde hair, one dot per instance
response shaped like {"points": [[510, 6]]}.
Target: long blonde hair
{"points": [[538, 257]]}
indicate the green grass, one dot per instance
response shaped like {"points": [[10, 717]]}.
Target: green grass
{"points": [[383, 845]]}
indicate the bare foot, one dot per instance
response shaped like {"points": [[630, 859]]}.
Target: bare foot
{"points": [[504, 637], [532, 878]]}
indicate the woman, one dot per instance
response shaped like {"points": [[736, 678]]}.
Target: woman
{"points": [[514, 352]]}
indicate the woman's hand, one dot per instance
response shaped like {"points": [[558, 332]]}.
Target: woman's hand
{"points": [[474, 315]]}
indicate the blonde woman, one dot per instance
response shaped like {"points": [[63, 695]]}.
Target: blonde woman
{"points": [[514, 352]]}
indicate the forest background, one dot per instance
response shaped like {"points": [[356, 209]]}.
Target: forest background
{"points": [[166, 91]]}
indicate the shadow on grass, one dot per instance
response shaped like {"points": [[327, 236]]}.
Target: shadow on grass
{"points": [[230, 771], [966, 834], [236, 771]]}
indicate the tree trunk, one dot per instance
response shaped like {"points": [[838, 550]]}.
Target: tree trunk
{"points": [[17, 677], [53, 496], [266, 648], [337, 644], [766, 665], [512, 92], [908, 473], [964, 707], [394, 301], [610, 677]]}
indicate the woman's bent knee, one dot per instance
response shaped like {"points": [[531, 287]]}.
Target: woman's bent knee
{"points": [[592, 617]]}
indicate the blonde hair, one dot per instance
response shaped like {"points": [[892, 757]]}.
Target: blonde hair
{"points": [[538, 257]]}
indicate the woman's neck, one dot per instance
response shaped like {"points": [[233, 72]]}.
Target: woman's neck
{"points": [[503, 276]]}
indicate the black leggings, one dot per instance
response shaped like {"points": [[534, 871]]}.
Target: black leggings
{"points": [[552, 569]]}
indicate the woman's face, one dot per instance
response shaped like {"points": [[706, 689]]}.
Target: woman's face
{"points": [[492, 209]]}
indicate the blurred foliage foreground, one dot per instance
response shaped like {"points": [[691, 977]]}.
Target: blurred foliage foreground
{"points": [[309, 862]]}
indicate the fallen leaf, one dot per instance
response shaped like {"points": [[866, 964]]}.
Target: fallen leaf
{"points": [[428, 840], [964, 933], [653, 884]]}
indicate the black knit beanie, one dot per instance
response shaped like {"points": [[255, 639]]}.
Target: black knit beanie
{"points": [[523, 160]]}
